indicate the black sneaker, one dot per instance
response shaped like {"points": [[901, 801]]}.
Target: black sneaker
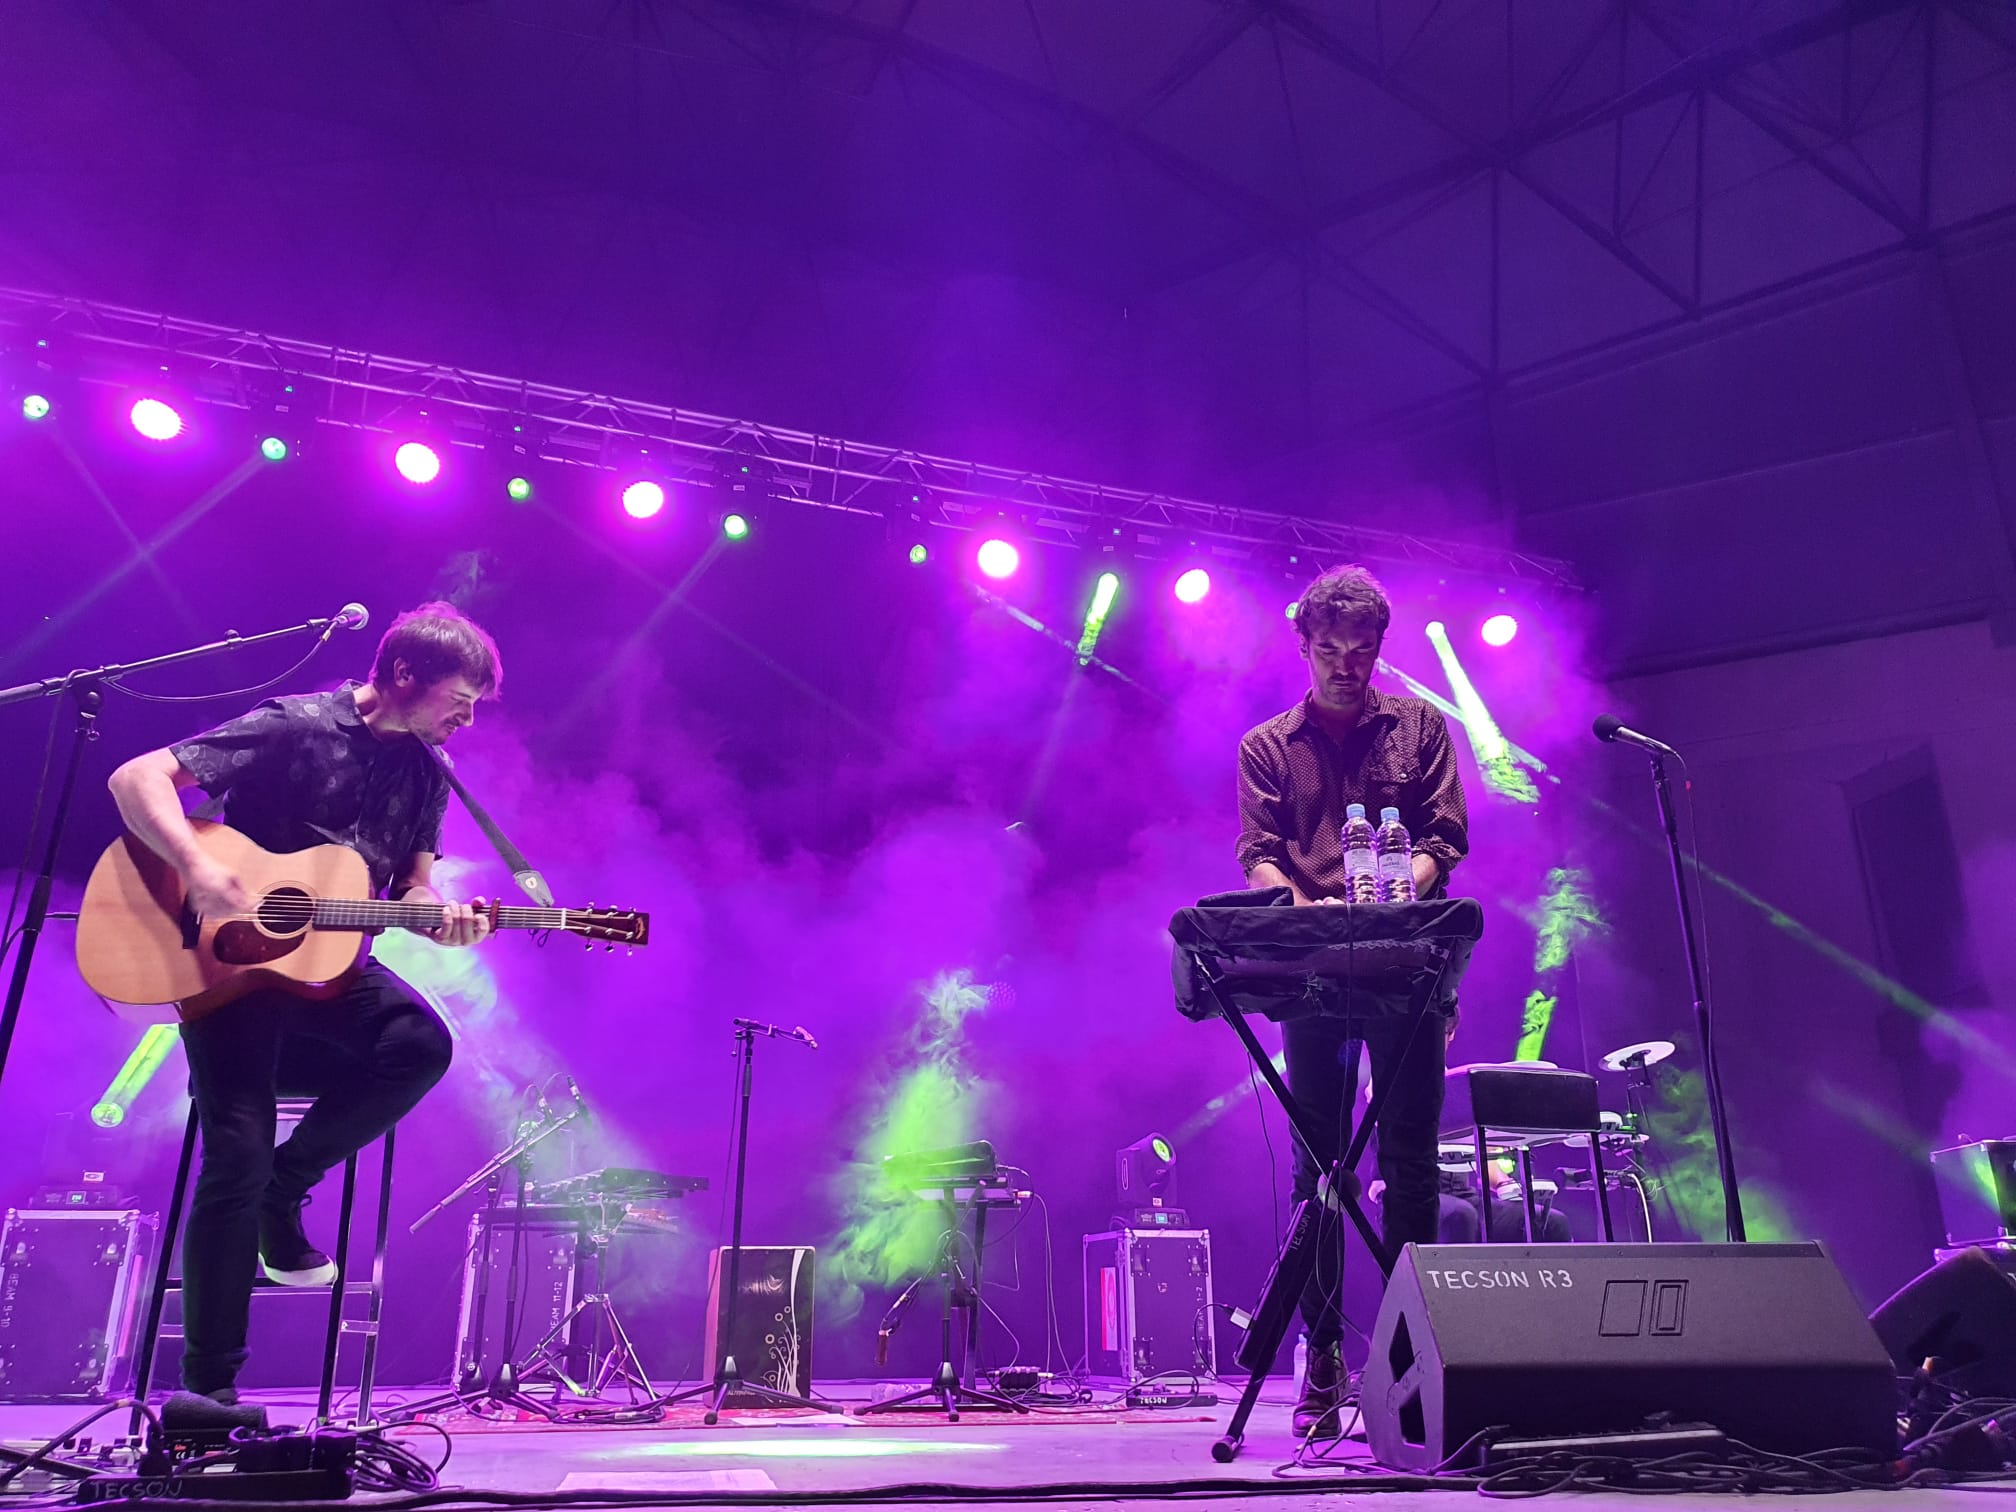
{"points": [[284, 1251]]}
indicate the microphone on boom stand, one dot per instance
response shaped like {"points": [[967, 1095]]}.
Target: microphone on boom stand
{"points": [[1609, 727]]}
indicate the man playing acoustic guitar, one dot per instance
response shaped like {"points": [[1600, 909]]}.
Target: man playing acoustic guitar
{"points": [[350, 767]]}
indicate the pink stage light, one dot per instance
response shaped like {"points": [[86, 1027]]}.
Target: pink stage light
{"points": [[1499, 630], [643, 499], [998, 558], [156, 419], [1193, 585], [417, 462]]}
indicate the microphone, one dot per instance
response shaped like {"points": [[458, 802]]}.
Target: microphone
{"points": [[892, 1320], [1610, 727], [352, 616], [580, 1102], [778, 1031]]}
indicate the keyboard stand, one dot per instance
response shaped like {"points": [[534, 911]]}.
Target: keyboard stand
{"points": [[1429, 964]]}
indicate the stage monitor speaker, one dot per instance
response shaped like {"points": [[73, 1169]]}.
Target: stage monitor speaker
{"points": [[1960, 1314], [772, 1342], [1763, 1341]]}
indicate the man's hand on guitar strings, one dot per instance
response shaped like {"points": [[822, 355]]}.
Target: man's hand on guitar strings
{"points": [[462, 923], [214, 891]]}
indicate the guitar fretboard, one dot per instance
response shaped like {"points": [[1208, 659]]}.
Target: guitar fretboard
{"points": [[377, 913]]}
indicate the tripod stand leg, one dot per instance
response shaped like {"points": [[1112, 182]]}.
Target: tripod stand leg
{"points": [[544, 1357], [1271, 1318], [622, 1363]]}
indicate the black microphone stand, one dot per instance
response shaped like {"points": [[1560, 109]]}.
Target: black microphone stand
{"points": [[86, 688], [728, 1377], [502, 1388], [1718, 1112]]}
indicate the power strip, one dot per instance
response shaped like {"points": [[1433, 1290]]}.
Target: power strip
{"points": [[1151, 1398], [328, 1483]]}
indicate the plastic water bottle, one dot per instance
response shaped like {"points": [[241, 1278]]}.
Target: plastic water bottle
{"points": [[1301, 1359], [1361, 858], [1396, 859]]}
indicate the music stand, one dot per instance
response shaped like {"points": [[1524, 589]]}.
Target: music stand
{"points": [[1247, 953]]}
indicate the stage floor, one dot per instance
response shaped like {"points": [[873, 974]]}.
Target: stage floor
{"points": [[1108, 1458]]}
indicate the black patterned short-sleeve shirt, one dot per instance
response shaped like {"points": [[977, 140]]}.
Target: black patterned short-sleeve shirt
{"points": [[305, 770]]}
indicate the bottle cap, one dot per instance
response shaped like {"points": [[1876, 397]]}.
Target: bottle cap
{"points": [[1354, 811], [1389, 816]]}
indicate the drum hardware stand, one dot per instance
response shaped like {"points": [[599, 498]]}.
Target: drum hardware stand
{"points": [[502, 1389], [728, 1377], [549, 1355]]}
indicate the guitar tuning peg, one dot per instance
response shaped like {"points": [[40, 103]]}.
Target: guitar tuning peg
{"points": [[587, 944], [609, 948]]}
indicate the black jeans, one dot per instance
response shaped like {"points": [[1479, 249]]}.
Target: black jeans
{"points": [[366, 1058], [1323, 1075], [1460, 1221]]}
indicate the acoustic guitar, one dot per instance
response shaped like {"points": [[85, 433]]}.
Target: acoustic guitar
{"points": [[141, 946]]}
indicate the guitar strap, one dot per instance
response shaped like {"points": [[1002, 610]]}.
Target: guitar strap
{"points": [[530, 882]]}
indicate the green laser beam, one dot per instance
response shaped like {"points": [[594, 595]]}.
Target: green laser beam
{"points": [[155, 1046]]}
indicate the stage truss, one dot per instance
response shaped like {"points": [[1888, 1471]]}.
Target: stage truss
{"points": [[283, 382]]}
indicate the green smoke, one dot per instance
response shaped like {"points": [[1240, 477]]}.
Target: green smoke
{"points": [[1689, 1179], [1567, 915], [887, 1235]]}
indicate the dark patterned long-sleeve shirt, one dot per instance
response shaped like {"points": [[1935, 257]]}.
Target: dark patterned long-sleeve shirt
{"points": [[1295, 782]]}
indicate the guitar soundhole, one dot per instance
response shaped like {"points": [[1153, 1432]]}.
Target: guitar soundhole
{"points": [[282, 924], [285, 911]]}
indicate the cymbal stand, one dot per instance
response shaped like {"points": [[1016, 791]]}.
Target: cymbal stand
{"points": [[549, 1357], [502, 1389]]}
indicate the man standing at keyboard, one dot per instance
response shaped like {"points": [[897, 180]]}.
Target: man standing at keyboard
{"points": [[1344, 743]]}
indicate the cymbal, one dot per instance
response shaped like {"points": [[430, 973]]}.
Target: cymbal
{"points": [[1645, 1053]]}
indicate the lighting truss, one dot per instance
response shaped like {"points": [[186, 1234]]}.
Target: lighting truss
{"points": [[106, 344]]}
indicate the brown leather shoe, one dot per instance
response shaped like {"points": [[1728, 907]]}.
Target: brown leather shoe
{"points": [[1316, 1414]]}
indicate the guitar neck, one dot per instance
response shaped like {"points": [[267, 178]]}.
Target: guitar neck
{"points": [[379, 913]]}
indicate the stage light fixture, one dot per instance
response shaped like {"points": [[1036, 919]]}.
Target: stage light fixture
{"points": [[643, 498], [1499, 630], [274, 448], [512, 457], [998, 558], [1104, 591], [1144, 1174], [417, 462], [35, 406], [1192, 586], [919, 554], [156, 419], [1289, 612], [735, 526]]}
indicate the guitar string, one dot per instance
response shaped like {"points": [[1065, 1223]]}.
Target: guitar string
{"points": [[410, 915], [392, 914]]}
